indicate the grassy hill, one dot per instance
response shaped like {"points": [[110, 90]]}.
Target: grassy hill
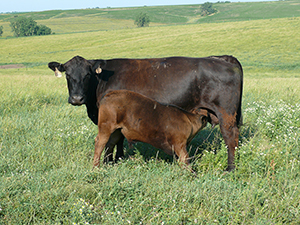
{"points": [[242, 11], [66, 21], [265, 47]]}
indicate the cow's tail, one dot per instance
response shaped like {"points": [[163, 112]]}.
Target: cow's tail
{"points": [[239, 116]]}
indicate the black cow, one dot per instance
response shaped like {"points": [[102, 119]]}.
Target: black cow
{"points": [[213, 84]]}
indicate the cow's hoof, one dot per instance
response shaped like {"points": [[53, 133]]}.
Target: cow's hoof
{"points": [[230, 168]]}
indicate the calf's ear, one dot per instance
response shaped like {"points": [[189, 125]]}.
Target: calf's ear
{"points": [[97, 65], [57, 68]]}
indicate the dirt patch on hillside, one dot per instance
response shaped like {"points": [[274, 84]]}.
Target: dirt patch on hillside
{"points": [[12, 66]]}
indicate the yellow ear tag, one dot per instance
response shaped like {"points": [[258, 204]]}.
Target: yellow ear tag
{"points": [[98, 70], [57, 73]]}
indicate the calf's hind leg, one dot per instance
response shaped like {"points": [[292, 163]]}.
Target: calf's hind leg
{"points": [[183, 157]]}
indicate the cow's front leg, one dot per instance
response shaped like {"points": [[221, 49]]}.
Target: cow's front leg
{"points": [[116, 138], [120, 148]]}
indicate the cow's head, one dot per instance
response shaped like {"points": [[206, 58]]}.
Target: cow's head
{"points": [[78, 74]]}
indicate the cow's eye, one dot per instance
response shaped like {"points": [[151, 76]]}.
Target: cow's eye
{"points": [[86, 77]]}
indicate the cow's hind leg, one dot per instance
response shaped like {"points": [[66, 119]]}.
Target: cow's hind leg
{"points": [[231, 138]]}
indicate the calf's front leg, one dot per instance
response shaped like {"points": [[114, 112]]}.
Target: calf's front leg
{"points": [[100, 143]]}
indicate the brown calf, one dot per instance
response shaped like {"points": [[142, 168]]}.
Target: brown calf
{"points": [[142, 119]]}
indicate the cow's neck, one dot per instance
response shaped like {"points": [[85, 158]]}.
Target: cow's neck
{"points": [[91, 103]]}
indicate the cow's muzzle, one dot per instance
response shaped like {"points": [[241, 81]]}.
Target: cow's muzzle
{"points": [[76, 100]]}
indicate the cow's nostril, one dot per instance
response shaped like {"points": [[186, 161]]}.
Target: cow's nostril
{"points": [[76, 100]]}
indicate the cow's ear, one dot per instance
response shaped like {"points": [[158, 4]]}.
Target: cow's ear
{"points": [[97, 65], [57, 68]]}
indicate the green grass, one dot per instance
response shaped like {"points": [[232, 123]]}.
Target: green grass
{"points": [[46, 145], [243, 11]]}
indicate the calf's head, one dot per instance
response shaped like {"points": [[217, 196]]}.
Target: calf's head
{"points": [[78, 74]]}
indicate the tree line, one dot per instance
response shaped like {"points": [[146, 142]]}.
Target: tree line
{"points": [[26, 26]]}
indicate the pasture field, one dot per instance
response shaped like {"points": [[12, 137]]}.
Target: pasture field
{"points": [[46, 145], [47, 177]]}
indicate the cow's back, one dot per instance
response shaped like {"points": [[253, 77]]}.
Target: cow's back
{"points": [[189, 83]]}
